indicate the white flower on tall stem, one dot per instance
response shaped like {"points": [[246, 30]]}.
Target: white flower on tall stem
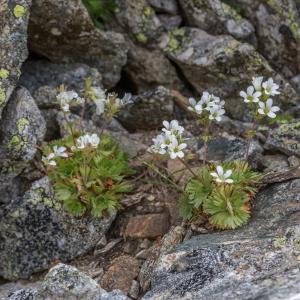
{"points": [[100, 99], [172, 128], [49, 160], [167, 140], [175, 149], [256, 81], [66, 97], [88, 140], [216, 112], [157, 145], [250, 96], [267, 108], [270, 87], [60, 151], [221, 176]]}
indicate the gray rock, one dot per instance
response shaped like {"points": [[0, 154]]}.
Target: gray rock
{"points": [[165, 6], [35, 230], [40, 73], [64, 282], [223, 66], [277, 30], [285, 138], [170, 22], [148, 110], [21, 129], [65, 33], [258, 261], [147, 69], [13, 39], [216, 17]]}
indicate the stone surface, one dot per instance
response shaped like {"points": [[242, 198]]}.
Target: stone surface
{"points": [[121, 273], [37, 229], [148, 110], [65, 33], [217, 17], [258, 261], [223, 66], [147, 226], [13, 39], [164, 6], [64, 282], [21, 128], [285, 138]]}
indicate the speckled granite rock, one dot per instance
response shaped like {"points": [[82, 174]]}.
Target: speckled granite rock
{"points": [[285, 138], [258, 261], [21, 128], [35, 230], [217, 17], [13, 39], [65, 33], [65, 282], [223, 66], [148, 110]]}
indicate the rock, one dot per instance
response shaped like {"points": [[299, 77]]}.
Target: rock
{"points": [[164, 6], [285, 138], [170, 22], [134, 290], [147, 226], [121, 273], [216, 17], [42, 78], [258, 261], [13, 39], [65, 33], [147, 69], [138, 20], [65, 282], [223, 66], [228, 148], [12, 287], [275, 163], [35, 230], [148, 110], [22, 128], [277, 30]]}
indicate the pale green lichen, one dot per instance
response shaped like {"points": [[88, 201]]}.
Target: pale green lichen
{"points": [[21, 124], [16, 144], [176, 38], [141, 38], [4, 73], [147, 11], [279, 242], [19, 11]]}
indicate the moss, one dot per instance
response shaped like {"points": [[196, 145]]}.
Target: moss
{"points": [[4, 73], [19, 11], [141, 38], [21, 124]]}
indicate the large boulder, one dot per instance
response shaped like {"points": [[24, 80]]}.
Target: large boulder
{"points": [[64, 282], [217, 17], [63, 32], [223, 66], [21, 128], [13, 44], [35, 231], [258, 261]]}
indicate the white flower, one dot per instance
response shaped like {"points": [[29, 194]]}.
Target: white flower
{"points": [[256, 81], [195, 107], [157, 145], [216, 113], [175, 149], [60, 151], [172, 128], [66, 97], [222, 177], [87, 140], [49, 160], [250, 96], [65, 106], [99, 99], [167, 140], [268, 109], [271, 87]]}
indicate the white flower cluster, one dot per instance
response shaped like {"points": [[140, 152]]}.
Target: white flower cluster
{"points": [[88, 140], [259, 93], [221, 176], [57, 152], [65, 98], [103, 101], [208, 104], [169, 141]]}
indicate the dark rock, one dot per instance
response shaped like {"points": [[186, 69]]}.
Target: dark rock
{"points": [[258, 261], [65, 33], [37, 230], [13, 40], [170, 22], [164, 6]]}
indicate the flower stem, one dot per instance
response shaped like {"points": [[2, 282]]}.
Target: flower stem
{"points": [[249, 140], [206, 133], [70, 128], [82, 113], [189, 168]]}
